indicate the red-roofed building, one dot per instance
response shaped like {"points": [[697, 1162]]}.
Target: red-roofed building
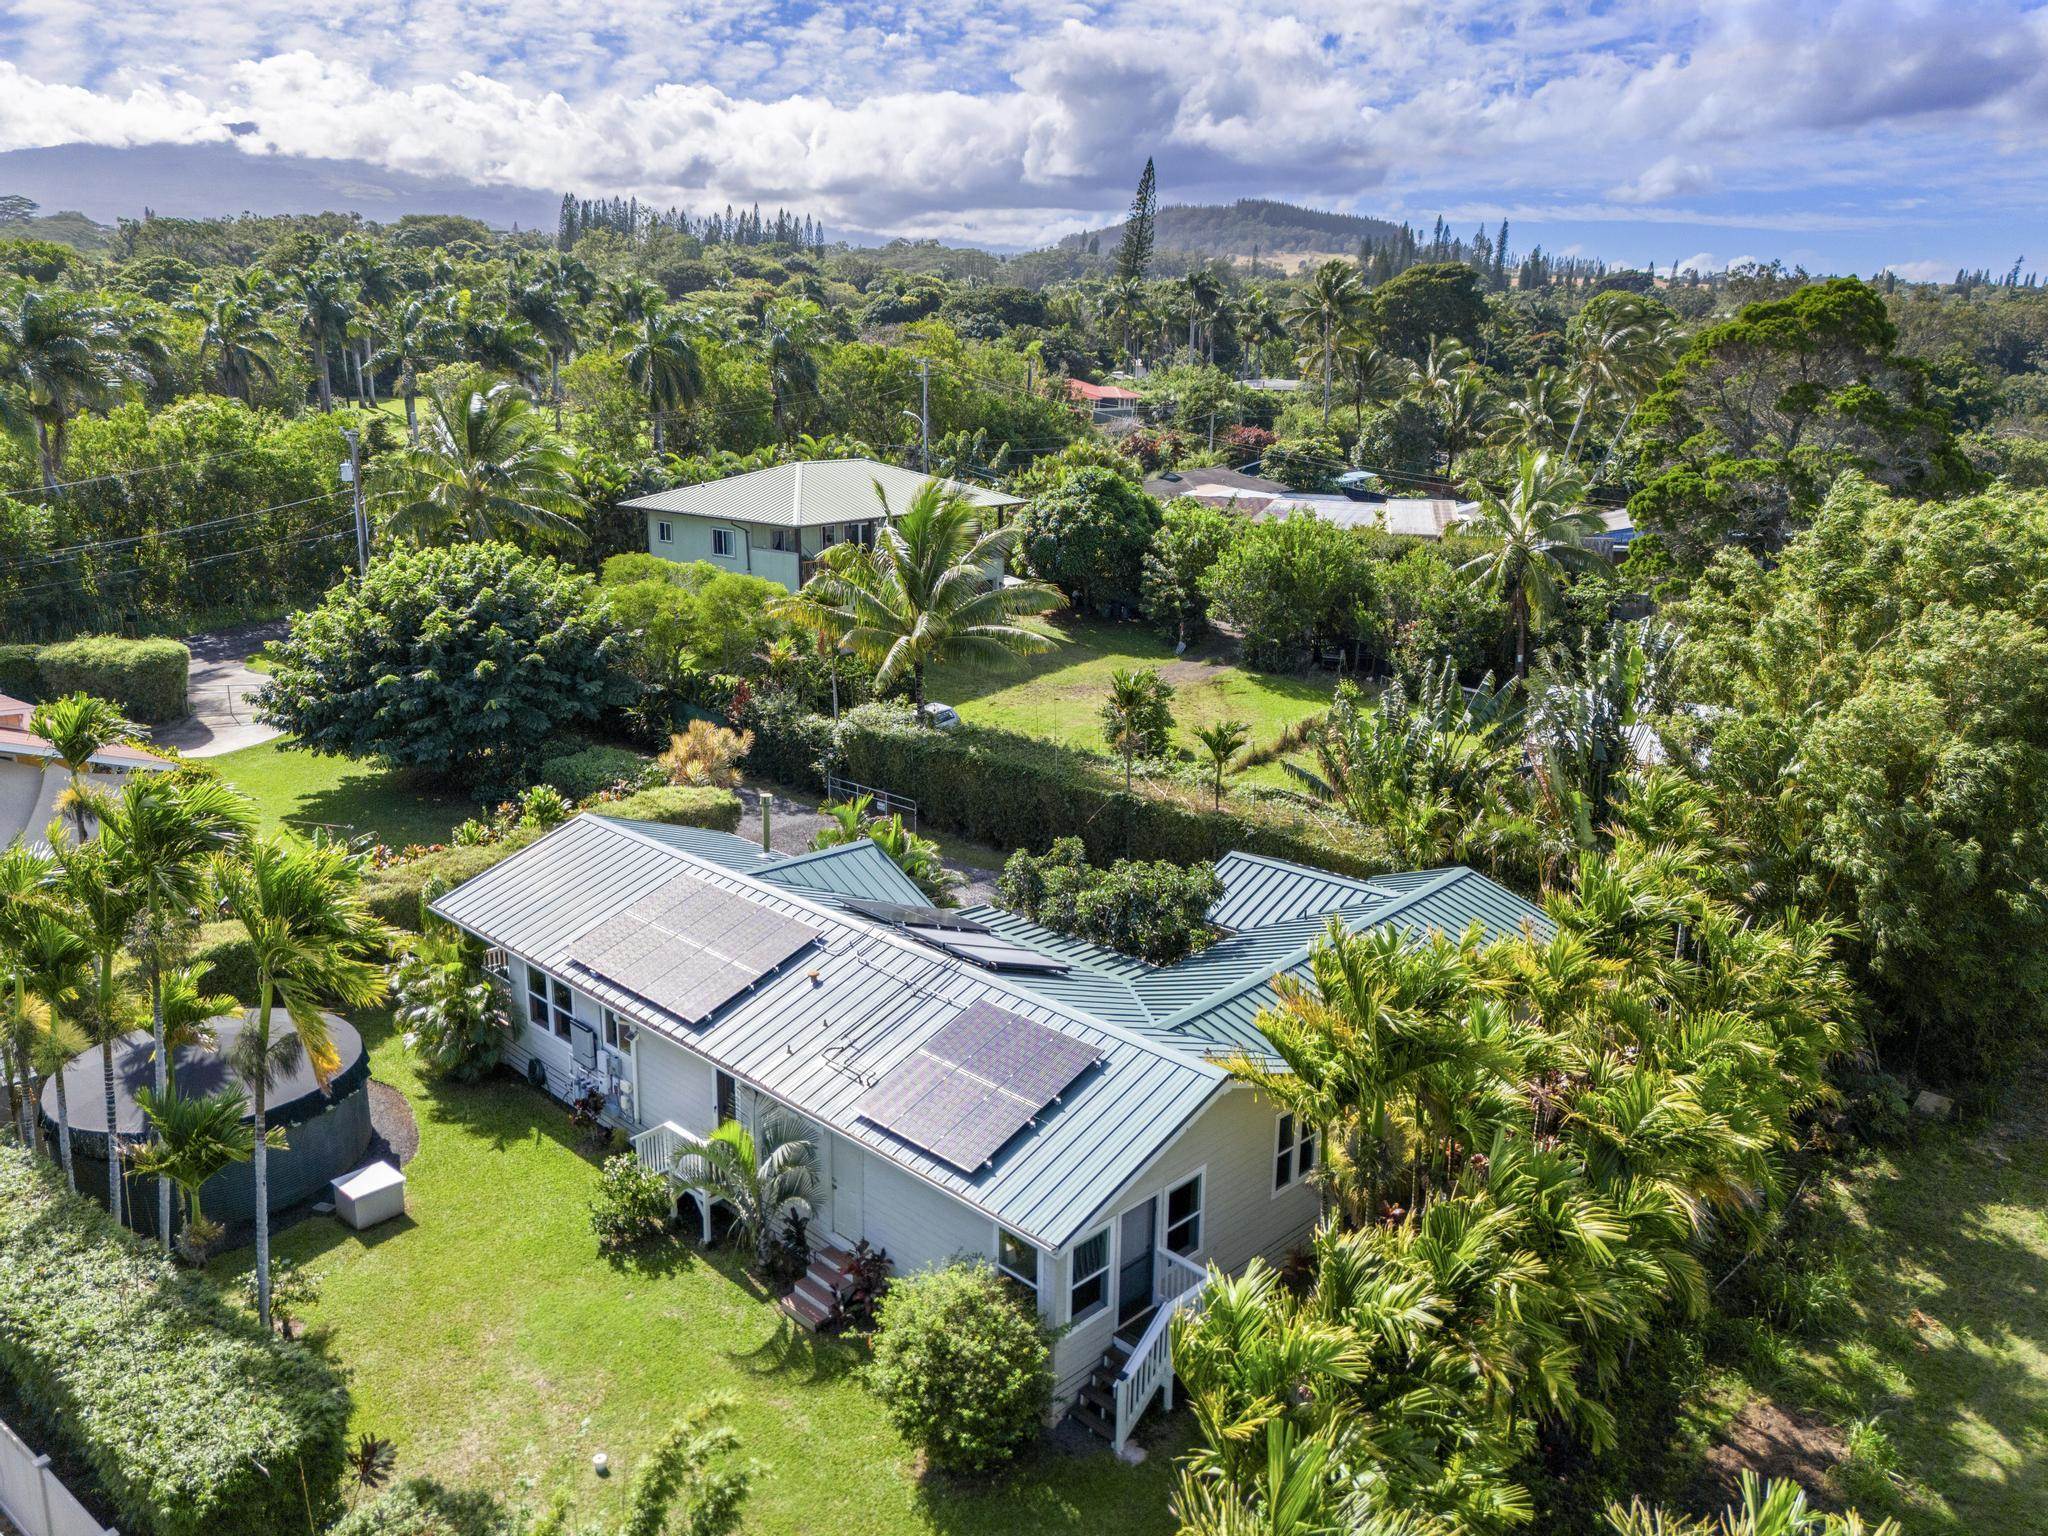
{"points": [[1105, 402]]}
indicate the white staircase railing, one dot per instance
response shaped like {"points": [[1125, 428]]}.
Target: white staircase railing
{"points": [[659, 1148], [1149, 1368]]}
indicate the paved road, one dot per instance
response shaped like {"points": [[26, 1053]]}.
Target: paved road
{"points": [[222, 717]]}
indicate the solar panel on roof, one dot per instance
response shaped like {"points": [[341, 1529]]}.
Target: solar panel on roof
{"points": [[976, 1083], [689, 947], [992, 953], [902, 915]]}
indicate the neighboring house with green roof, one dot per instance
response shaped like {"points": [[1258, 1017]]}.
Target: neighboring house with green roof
{"points": [[974, 1084], [774, 523]]}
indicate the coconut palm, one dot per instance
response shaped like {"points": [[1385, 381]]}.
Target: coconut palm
{"points": [[1203, 292], [1373, 374], [488, 336], [311, 938], [1535, 417], [1123, 306], [79, 726], [417, 335], [1221, 741], [762, 1177], [238, 332], [322, 313], [192, 1139], [374, 282], [789, 332], [1333, 298], [1538, 530], [485, 466], [61, 355], [160, 832], [661, 360], [1619, 344], [544, 305], [922, 594], [1136, 718]]}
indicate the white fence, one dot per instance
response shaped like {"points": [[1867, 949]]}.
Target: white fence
{"points": [[32, 1497]]}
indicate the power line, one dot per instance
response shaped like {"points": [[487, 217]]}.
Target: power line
{"points": [[71, 551], [143, 469], [108, 578]]}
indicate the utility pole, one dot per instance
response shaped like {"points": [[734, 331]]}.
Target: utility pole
{"points": [[352, 472], [924, 415]]}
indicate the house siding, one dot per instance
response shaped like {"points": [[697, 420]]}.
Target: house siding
{"points": [[675, 1084], [1231, 1143], [918, 1226]]}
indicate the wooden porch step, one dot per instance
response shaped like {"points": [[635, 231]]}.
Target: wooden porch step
{"points": [[1092, 1419], [808, 1312]]}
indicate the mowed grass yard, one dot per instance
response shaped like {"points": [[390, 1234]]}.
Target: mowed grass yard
{"points": [[487, 1337], [303, 790], [1058, 696], [1940, 1255]]}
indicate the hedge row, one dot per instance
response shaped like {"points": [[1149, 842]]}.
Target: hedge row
{"points": [[192, 1420], [1016, 792], [149, 679]]}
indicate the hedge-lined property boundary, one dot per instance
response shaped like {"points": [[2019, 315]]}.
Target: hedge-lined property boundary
{"points": [[1017, 792], [192, 1420], [149, 679]]}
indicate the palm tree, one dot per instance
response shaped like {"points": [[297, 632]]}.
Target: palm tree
{"points": [[763, 1180], [322, 313], [1535, 417], [1539, 528], [191, 1141], [1619, 344], [1202, 288], [922, 594], [1333, 299], [1374, 374], [62, 354], [705, 755], [1464, 414], [1123, 306], [662, 362], [100, 907], [543, 304], [79, 725], [788, 335], [1132, 712], [24, 892], [416, 336], [311, 936], [485, 466], [188, 1011], [59, 960], [374, 280], [238, 331], [160, 833], [1221, 741]]}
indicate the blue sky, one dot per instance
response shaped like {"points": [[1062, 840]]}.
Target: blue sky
{"points": [[1841, 134]]}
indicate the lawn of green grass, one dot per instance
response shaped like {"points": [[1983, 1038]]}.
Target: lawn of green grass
{"points": [[486, 1336], [1057, 696], [1940, 1248], [304, 790]]}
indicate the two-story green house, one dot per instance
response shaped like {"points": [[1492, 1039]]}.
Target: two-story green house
{"points": [[774, 523]]}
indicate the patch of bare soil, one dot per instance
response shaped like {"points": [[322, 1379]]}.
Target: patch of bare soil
{"points": [[1189, 669], [1766, 1439]]}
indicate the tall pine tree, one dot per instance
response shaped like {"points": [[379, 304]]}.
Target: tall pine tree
{"points": [[1135, 254]]}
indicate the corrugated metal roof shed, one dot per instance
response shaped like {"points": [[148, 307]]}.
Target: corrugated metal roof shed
{"points": [[818, 1044], [806, 494], [1258, 891]]}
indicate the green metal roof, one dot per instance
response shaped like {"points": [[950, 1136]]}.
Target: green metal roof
{"points": [[860, 870]]}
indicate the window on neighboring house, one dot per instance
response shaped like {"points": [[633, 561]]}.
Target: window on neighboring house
{"points": [[1184, 1216], [1089, 1292], [1294, 1152], [721, 543], [617, 1034], [536, 997], [665, 532], [828, 535], [565, 1008], [1018, 1259], [779, 539], [728, 1098]]}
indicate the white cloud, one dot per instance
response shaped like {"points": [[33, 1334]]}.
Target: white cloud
{"points": [[1014, 119], [1707, 261], [1924, 271]]}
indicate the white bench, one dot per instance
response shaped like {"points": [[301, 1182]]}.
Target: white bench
{"points": [[369, 1195]]}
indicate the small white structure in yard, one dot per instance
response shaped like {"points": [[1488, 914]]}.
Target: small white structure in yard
{"points": [[972, 1084], [369, 1195]]}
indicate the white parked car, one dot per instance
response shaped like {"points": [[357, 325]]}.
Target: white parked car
{"points": [[944, 716]]}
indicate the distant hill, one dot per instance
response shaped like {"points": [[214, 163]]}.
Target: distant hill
{"points": [[1250, 224]]}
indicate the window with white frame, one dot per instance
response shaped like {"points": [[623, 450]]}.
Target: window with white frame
{"points": [[536, 997], [1294, 1152], [1089, 1291], [721, 543], [1018, 1259], [1184, 1216], [564, 1009], [617, 1033], [665, 532], [726, 1097]]}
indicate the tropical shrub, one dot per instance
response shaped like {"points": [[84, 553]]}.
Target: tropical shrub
{"points": [[632, 1205], [457, 661], [1292, 586], [448, 1008], [579, 775], [678, 805], [147, 678], [1304, 464], [964, 1369], [1088, 536], [423, 1507], [191, 1420], [1191, 537], [1152, 911], [395, 893]]}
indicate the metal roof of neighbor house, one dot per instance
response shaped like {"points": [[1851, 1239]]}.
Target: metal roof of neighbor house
{"points": [[838, 1019], [1258, 890], [806, 494], [860, 870]]}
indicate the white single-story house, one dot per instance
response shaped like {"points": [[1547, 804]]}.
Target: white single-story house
{"points": [[775, 522], [973, 1084], [32, 777]]}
